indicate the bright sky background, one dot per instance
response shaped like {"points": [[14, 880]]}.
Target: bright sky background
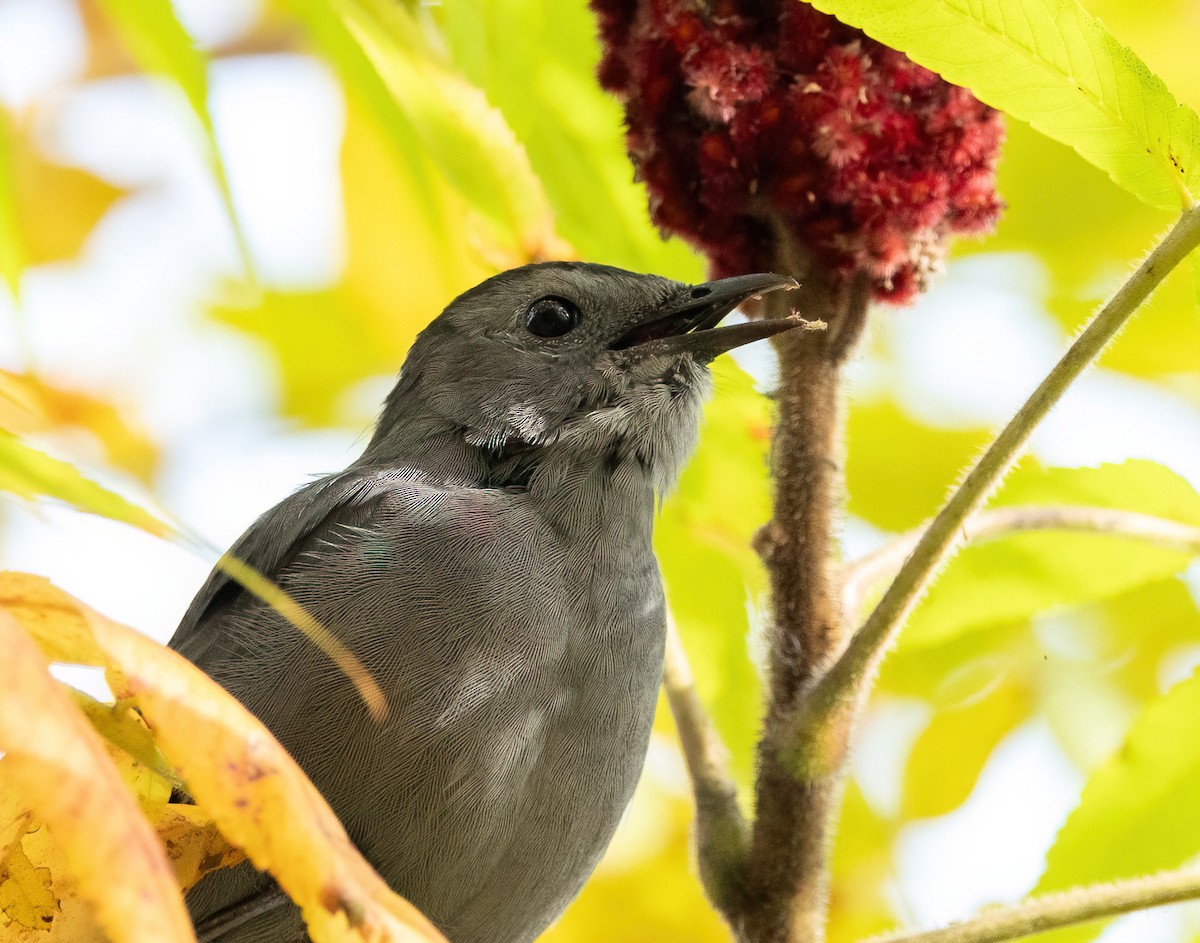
{"points": [[128, 316]]}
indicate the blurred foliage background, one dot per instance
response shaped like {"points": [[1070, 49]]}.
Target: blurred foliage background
{"points": [[222, 222]]}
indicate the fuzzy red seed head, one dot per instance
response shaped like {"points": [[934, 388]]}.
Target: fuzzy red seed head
{"points": [[751, 117]]}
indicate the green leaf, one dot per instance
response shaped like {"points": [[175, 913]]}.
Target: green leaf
{"points": [[899, 471], [324, 342], [467, 139], [1051, 63], [536, 61], [1195, 262], [161, 46], [1016, 576], [29, 473], [12, 254], [329, 32], [1140, 812], [950, 753], [703, 540], [862, 870]]}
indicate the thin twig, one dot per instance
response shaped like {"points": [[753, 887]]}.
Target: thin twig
{"points": [[721, 830], [842, 687], [861, 575], [1065, 909]]}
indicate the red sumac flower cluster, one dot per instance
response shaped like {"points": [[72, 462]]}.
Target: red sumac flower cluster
{"points": [[752, 121]]}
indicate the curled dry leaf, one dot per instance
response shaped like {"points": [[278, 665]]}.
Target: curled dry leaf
{"points": [[237, 772], [35, 882], [55, 766], [193, 843]]}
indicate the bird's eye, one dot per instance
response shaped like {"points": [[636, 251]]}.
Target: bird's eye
{"points": [[551, 317]]}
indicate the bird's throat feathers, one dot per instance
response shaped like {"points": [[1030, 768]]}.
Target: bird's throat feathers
{"points": [[622, 425]]}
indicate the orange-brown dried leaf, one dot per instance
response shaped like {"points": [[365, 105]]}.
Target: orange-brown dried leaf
{"points": [[240, 775], [194, 844], [55, 764]]}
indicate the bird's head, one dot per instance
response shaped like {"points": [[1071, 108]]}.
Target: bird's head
{"points": [[580, 356]]}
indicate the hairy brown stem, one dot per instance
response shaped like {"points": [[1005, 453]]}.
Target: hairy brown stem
{"points": [[786, 879]]}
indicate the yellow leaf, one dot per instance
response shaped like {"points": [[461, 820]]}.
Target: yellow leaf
{"points": [[130, 747], [57, 207], [12, 249], [30, 473], [194, 844], [238, 773], [25, 894], [948, 757], [30, 405], [468, 140], [161, 46], [58, 768], [401, 272], [48, 615], [72, 917]]}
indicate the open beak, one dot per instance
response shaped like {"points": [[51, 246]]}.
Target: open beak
{"points": [[690, 324]]}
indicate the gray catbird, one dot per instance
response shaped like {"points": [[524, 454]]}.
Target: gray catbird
{"points": [[488, 559]]}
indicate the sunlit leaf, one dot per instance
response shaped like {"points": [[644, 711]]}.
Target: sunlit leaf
{"points": [[193, 844], [1138, 812], [950, 753], [1022, 574], [1049, 62], [163, 47], [237, 772], [57, 767], [29, 405], [703, 538], [35, 882], [861, 869], [1147, 626], [653, 843], [47, 210], [467, 139], [30, 473], [537, 63], [1099, 663], [1195, 269], [329, 32], [898, 471], [324, 341], [12, 252], [26, 894], [399, 274]]}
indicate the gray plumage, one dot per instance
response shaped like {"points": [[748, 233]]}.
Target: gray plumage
{"points": [[489, 560]]}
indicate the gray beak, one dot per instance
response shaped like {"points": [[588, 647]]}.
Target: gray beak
{"points": [[690, 324]]}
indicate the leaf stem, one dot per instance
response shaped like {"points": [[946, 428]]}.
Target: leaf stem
{"points": [[861, 575], [1078, 905], [846, 681], [721, 830]]}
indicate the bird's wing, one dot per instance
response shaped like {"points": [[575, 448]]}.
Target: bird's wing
{"points": [[271, 543], [451, 599]]}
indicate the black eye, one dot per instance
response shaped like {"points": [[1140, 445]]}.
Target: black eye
{"points": [[551, 317]]}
